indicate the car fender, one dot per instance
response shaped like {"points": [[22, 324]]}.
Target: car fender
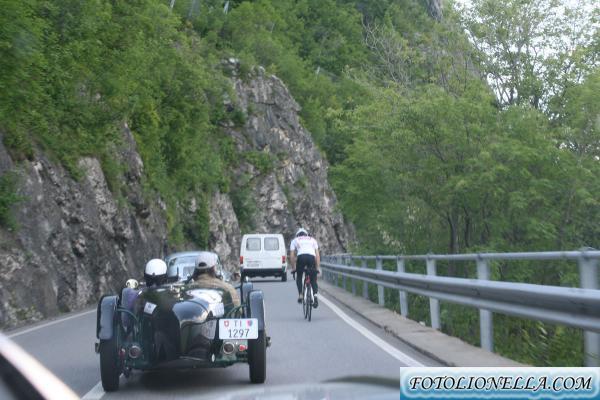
{"points": [[246, 289], [105, 318], [256, 304]]}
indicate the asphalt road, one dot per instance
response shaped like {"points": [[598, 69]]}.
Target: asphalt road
{"points": [[335, 344]]}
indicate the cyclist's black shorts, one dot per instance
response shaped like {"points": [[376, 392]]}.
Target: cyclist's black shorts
{"points": [[306, 262]]}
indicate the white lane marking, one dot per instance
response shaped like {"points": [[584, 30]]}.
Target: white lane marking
{"points": [[47, 324], [385, 346], [95, 394]]}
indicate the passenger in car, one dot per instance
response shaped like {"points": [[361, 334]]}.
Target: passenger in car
{"points": [[205, 275], [129, 296]]}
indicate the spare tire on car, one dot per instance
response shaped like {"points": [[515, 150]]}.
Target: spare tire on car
{"points": [[257, 348]]}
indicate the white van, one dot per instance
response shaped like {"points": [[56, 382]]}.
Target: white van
{"points": [[263, 255]]}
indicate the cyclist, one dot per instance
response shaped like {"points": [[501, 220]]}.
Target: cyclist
{"points": [[304, 256]]}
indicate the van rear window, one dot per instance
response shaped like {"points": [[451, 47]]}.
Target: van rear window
{"points": [[271, 243], [253, 244]]}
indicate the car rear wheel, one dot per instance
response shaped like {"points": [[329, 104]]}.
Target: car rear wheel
{"points": [[257, 358], [284, 277], [109, 364]]}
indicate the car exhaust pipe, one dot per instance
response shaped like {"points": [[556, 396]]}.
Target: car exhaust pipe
{"points": [[228, 348], [135, 351]]}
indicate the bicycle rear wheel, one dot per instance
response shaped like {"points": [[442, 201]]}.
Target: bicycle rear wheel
{"points": [[309, 303], [305, 301]]}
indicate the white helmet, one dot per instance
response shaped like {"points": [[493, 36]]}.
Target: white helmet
{"points": [[155, 267], [301, 232], [132, 283], [155, 271], [206, 261]]}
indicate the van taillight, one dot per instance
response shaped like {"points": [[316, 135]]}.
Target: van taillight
{"points": [[283, 259], [241, 260]]}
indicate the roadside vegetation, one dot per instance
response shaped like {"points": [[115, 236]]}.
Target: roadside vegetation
{"points": [[8, 199], [476, 131]]}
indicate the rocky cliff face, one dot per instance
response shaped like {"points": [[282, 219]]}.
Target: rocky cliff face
{"points": [[76, 240], [292, 190], [434, 7]]}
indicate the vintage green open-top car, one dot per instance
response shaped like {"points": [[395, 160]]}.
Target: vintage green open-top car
{"points": [[179, 325]]}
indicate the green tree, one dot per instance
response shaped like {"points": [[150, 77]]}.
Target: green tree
{"points": [[531, 50], [23, 65]]}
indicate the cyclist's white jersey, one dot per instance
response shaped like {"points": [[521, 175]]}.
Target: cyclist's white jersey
{"points": [[304, 245]]}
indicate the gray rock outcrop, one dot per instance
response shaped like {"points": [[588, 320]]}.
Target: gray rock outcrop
{"points": [[434, 7], [225, 235], [74, 240], [293, 190]]}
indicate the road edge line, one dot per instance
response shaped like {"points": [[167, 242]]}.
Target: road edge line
{"points": [[96, 393], [382, 344], [47, 324]]}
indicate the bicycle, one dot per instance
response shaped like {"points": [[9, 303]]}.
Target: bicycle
{"points": [[307, 297]]}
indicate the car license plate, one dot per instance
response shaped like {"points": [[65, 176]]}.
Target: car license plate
{"points": [[254, 264], [243, 328]]}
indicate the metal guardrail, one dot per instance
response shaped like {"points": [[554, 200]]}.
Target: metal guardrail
{"points": [[575, 307]]}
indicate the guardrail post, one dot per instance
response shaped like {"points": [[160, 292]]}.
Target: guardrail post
{"points": [[588, 276], [353, 279], [380, 294], [365, 283], [434, 304], [402, 294], [486, 322], [331, 273], [338, 276], [344, 262]]}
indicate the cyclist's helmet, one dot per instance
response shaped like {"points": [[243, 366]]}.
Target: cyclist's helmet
{"points": [[301, 232]]}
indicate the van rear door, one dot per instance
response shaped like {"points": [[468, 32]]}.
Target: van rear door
{"points": [[272, 252], [253, 252]]}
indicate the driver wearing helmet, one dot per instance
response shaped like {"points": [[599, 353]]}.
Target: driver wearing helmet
{"points": [[155, 273], [304, 256], [206, 276]]}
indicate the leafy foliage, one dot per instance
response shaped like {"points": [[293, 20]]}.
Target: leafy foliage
{"points": [[440, 163], [8, 198], [533, 50], [261, 160], [88, 67], [244, 206]]}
